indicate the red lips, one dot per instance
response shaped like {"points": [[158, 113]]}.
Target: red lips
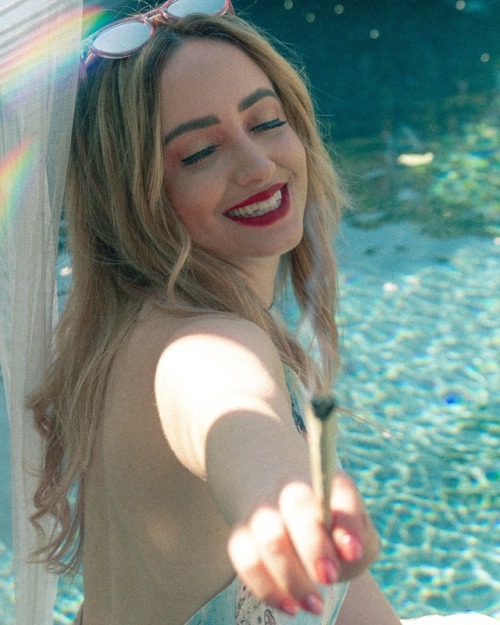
{"points": [[258, 197], [268, 218]]}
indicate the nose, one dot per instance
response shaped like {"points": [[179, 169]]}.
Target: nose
{"points": [[252, 163]]}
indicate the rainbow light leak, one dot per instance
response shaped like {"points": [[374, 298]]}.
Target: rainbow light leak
{"points": [[22, 76], [53, 41], [16, 173]]}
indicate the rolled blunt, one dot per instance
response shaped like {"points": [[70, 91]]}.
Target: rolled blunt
{"points": [[321, 420]]}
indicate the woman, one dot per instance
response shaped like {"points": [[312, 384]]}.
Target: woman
{"points": [[198, 191]]}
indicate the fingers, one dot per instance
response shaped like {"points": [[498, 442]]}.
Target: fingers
{"points": [[354, 535], [314, 547], [250, 568], [265, 559], [282, 552]]}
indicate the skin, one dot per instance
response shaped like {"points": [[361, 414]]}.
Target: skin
{"points": [[198, 470], [240, 153]]}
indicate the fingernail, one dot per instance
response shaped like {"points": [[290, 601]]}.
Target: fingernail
{"points": [[312, 603], [289, 607], [326, 571], [352, 550]]}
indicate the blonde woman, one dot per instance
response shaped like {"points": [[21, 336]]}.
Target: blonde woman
{"points": [[198, 192]]}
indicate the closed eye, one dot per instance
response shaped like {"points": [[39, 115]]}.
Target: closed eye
{"points": [[270, 125], [198, 156], [201, 154]]}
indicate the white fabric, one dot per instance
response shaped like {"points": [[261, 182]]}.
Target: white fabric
{"points": [[39, 48]]}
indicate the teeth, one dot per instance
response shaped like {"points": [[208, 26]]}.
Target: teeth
{"points": [[258, 208]]}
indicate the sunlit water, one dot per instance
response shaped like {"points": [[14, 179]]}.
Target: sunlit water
{"points": [[420, 342], [421, 353]]}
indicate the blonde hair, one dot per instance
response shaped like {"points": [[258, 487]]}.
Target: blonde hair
{"points": [[128, 246]]}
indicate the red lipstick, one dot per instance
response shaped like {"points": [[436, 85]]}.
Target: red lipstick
{"points": [[259, 197], [267, 218]]}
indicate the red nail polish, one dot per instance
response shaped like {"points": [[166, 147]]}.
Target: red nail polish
{"points": [[289, 607], [352, 548], [312, 603], [326, 571]]}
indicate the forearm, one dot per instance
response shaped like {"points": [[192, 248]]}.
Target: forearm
{"points": [[249, 459]]}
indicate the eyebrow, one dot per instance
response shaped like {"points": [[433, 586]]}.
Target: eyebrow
{"points": [[210, 120], [254, 97], [194, 124]]}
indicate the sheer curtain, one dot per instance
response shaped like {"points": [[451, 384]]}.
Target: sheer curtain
{"points": [[39, 48]]}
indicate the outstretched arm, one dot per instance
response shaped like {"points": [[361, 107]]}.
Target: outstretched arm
{"points": [[226, 413]]}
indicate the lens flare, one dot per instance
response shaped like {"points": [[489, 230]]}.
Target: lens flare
{"points": [[30, 55], [16, 173]]}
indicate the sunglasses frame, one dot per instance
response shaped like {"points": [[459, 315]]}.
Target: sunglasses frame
{"points": [[152, 18]]}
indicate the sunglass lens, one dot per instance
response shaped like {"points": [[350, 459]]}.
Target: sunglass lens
{"points": [[122, 38], [181, 8]]}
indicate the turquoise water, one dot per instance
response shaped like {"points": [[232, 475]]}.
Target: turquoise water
{"points": [[421, 354], [420, 342]]}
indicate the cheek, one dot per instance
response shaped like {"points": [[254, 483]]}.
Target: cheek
{"points": [[301, 157], [191, 207], [194, 196], [180, 194], [295, 153], [187, 213], [300, 169]]}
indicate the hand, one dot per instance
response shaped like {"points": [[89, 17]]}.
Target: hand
{"points": [[283, 550]]}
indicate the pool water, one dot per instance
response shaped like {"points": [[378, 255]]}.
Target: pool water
{"points": [[419, 257], [420, 278], [421, 361]]}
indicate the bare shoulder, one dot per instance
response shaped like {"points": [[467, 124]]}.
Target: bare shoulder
{"points": [[210, 345], [184, 349], [226, 327], [171, 332], [213, 366]]}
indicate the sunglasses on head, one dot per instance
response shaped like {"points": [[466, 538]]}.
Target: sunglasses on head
{"points": [[126, 37]]}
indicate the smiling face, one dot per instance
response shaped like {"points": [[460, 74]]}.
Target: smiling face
{"points": [[234, 170]]}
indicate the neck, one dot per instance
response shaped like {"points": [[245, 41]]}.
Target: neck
{"points": [[261, 276]]}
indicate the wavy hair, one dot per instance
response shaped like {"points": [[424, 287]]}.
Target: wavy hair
{"points": [[129, 246]]}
